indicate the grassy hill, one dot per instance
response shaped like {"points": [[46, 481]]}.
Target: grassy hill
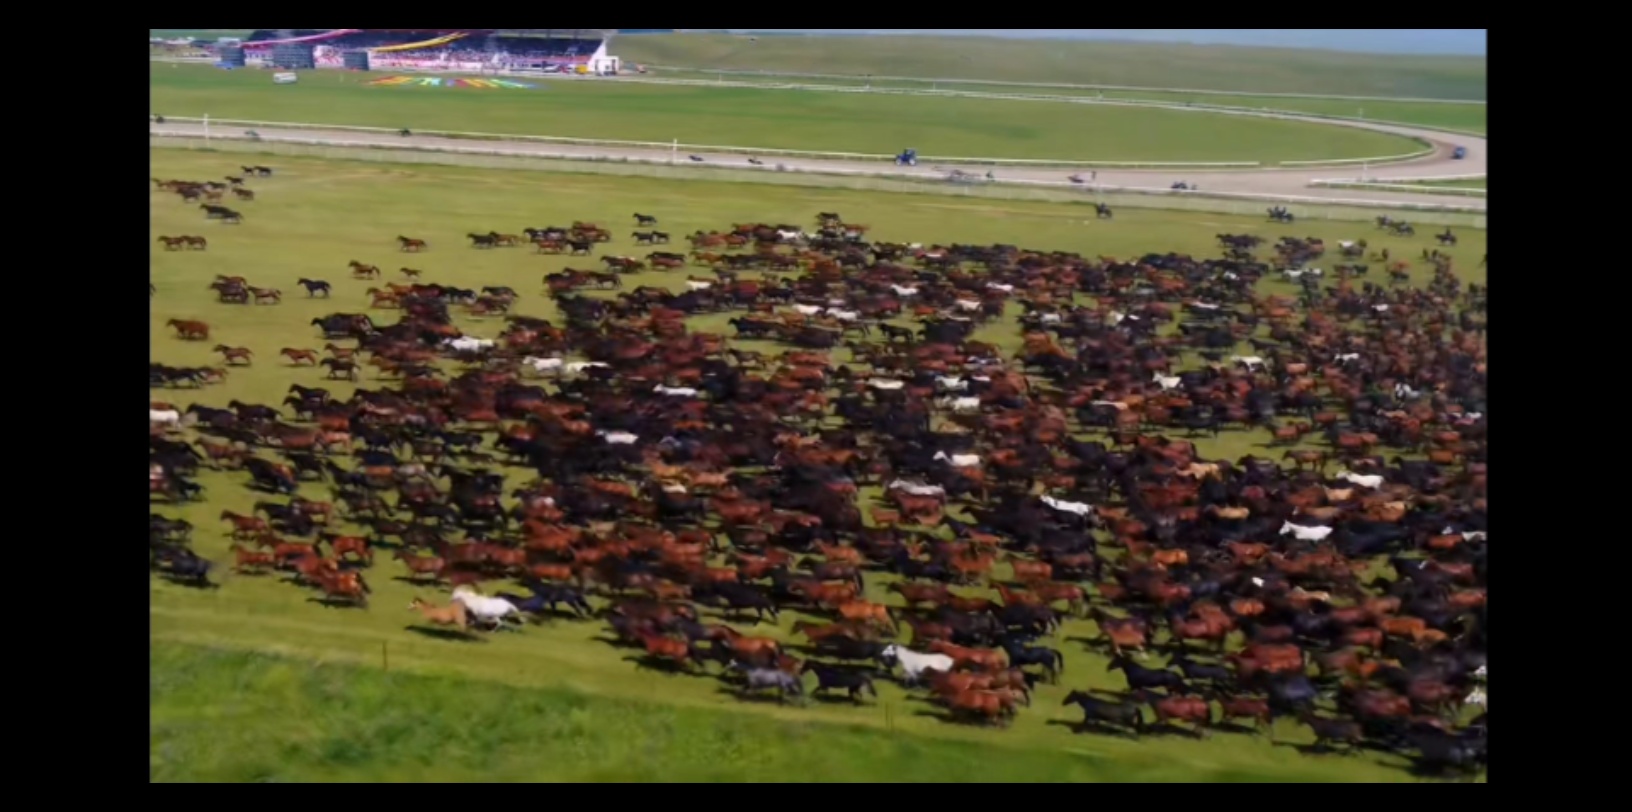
{"points": [[1226, 68]]}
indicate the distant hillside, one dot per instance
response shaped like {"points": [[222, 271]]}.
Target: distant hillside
{"points": [[1205, 67]]}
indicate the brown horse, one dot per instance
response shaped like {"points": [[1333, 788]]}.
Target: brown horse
{"points": [[362, 271], [234, 355], [296, 356], [411, 244], [189, 330], [987, 707], [663, 648], [454, 614]]}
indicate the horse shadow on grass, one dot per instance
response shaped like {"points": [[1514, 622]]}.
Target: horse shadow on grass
{"points": [[947, 717], [762, 697], [190, 583], [1096, 728], [446, 635], [646, 662], [335, 603]]}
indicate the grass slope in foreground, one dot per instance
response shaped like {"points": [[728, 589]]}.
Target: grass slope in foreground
{"points": [[771, 119], [223, 716], [313, 217], [1202, 67]]}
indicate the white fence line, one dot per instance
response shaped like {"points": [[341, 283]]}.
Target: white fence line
{"points": [[1063, 85], [674, 145], [1352, 161], [1140, 190], [1405, 179], [1401, 187]]}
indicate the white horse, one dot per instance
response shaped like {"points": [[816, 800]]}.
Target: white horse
{"points": [[951, 384], [1167, 381], [844, 315], [167, 417], [904, 291], [1078, 508], [958, 460], [886, 385], [1000, 287], [916, 488], [675, 391], [1251, 362], [1476, 698], [699, 284], [967, 305], [1369, 481], [807, 310], [619, 437], [914, 664], [960, 405], [1347, 357], [545, 366], [1306, 533], [577, 367], [468, 344], [492, 610]]}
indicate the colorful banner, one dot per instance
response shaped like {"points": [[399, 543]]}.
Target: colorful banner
{"points": [[415, 46], [335, 34], [436, 81]]}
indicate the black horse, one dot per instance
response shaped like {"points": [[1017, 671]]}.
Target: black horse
{"points": [[1142, 679], [1050, 659], [1098, 711], [853, 683], [314, 286]]}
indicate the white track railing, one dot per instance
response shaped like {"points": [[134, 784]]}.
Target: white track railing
{"points": [[1407, 179], [1098, 188], [1401, 187], [692, 148]]}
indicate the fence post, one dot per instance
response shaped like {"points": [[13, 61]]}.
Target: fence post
{"points": [[206, 126]]}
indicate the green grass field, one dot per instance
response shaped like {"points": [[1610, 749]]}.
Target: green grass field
{"points": [[1440, 115], [552, 702], [772, 119], [1202, 67]]}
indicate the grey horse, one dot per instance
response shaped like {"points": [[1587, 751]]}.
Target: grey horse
{"points": [[761, 679]]}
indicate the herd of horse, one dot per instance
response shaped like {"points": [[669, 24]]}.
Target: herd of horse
{"points": [[855, 439]]}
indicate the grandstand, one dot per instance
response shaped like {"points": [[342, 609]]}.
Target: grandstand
{"points": [[580, 50]]}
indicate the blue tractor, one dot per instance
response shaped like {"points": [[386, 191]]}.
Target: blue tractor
{"points": [[908, 157], [1459, 153]]}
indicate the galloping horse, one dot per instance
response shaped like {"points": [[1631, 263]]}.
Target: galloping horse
{"points": [[189, 330]]}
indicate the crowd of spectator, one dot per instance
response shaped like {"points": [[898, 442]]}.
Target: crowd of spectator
{"points": [[500, 52]]}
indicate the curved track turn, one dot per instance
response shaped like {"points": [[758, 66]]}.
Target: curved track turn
{"points": [[1288, 182]]}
